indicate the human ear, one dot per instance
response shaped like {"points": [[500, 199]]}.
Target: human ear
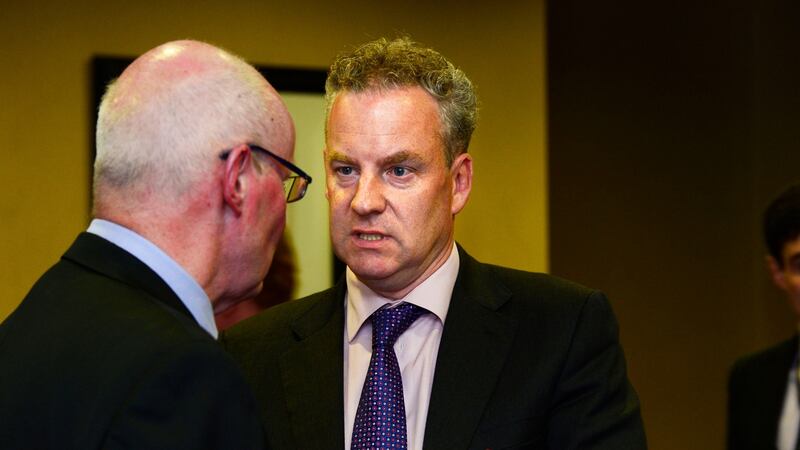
{"points": [[234, 184], [461, 171], [777, 273]]}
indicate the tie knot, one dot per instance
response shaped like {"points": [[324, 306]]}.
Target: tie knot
{"points": [[389, 323]]}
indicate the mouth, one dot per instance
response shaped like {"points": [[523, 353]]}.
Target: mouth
{"points": [[370, 236]]}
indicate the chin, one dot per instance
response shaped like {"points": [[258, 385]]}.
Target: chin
{"points": [[369, 272]]}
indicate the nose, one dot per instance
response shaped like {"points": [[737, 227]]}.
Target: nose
{"points": [[369, 196]]}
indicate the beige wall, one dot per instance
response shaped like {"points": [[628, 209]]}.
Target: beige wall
{"points": [[46, 45], [307, 221]]}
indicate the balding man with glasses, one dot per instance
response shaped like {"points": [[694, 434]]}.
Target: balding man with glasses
{"points": [[115, 346]]}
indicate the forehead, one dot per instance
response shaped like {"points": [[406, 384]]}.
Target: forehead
{"points": [[404, 119]]}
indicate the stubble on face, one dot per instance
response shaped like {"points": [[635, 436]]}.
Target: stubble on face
{"points": [[388, 187]]}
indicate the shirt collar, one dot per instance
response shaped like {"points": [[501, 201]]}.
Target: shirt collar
{"points": [[433, 294], [190, 293]]}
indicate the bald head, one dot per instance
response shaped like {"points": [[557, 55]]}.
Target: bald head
{"points": [[163, 123]]}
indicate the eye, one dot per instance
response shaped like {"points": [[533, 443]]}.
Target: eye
{"points": [[399, 171], [344, 170]]}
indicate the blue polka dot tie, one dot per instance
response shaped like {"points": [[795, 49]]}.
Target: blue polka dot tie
{"points": [[381, 417]]}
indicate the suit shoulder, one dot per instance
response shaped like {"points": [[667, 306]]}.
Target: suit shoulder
{"points": [[107, 312], [277, 319], [109, 342], [520, 279], [780, 354], [542, 290], [540, 300]]}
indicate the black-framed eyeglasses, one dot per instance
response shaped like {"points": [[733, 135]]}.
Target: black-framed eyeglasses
{"points": [[295, 185]]}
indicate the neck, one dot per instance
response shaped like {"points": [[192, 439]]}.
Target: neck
{"points": [[393, 293], [185, 237]]}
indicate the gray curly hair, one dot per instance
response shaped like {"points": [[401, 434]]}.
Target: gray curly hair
{"points": [[385, 64]]}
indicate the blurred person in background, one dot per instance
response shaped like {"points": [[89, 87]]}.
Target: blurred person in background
{"points": [[763, 398]]}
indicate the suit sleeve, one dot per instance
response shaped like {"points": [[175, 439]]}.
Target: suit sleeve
{"points": [[595, 406], [189, 398]]}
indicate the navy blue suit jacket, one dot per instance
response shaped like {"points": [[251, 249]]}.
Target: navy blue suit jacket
{"points": [[102, 354], [526, 361]]}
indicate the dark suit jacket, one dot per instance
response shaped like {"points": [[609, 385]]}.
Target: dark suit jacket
{"points": [[102, 354], [525, 361], [756, 391]]}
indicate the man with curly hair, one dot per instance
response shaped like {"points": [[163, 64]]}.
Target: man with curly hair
{"points": [[419, 345]]}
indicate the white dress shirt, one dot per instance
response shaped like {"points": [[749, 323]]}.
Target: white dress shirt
{"points": [[416, 348], [190, 293], [790, 416]]}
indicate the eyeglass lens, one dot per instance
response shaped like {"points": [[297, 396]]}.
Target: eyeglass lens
{"points": [[295, 188]]}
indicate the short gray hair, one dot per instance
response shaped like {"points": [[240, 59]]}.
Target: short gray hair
{"points": [[161, 136], [385, 64]]}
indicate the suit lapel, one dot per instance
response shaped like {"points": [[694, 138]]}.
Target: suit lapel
{"points": [[312, 374], [475, 342], [101, 256]]}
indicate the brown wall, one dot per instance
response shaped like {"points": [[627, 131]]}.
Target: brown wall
{"points": [[46, 46], [670, 127]]}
